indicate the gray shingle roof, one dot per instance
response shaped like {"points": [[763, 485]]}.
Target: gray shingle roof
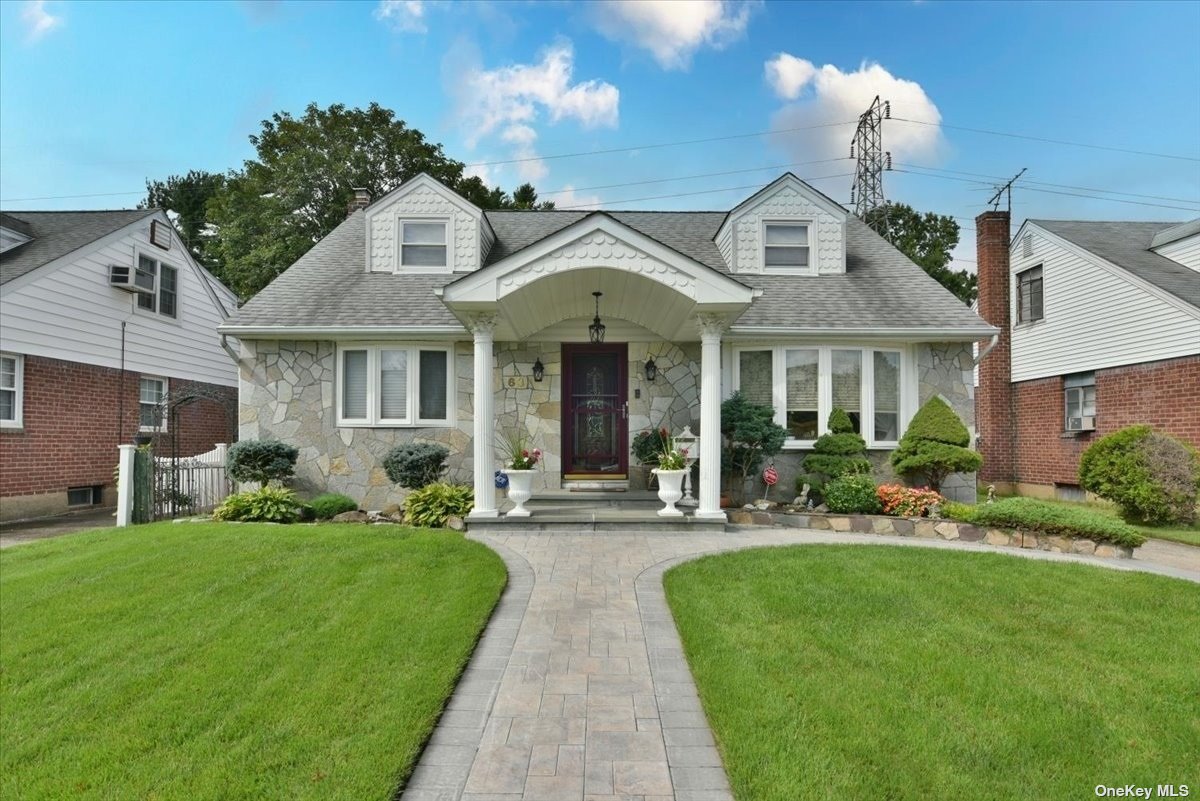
{"points": [[57, 233], [1127, 245], [881, 288]]}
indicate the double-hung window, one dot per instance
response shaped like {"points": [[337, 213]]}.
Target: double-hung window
{"points": [[163, 282], [12, 389], [804, 384], [786, 246], [395, 385], [151, 392], [1029, 295], [1080, 398], [423, 244]]}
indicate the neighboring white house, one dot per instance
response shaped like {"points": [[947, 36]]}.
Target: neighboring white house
{"points": [[422, 317], [102, 314]]}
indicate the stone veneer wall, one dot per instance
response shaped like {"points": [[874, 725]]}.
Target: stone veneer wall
{"points": [[287, 393]]}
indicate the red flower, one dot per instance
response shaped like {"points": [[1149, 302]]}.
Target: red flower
{"points": [[525, 453]]}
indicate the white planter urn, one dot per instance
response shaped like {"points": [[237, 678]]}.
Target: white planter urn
{"points": [[670, 490], [520, 488]]}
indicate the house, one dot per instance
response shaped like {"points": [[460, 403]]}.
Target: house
{"points": [[422, 317], [103, 316], [1099, 329]]}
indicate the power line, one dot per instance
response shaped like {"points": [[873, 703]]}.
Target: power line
{"points": [[700, 192], [68, 197], [1048, 140], [567, 190], [1025, 181]]}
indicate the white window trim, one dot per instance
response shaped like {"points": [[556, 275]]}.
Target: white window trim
{"points": [[811, 223], [18, 420], [825, 387], [1079, 384], [424, 218], [161, 428], [375, 399], [156, 313]]}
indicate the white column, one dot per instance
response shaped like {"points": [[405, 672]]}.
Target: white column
{"points": [[125, 456], [484, 326], [711, 327]]}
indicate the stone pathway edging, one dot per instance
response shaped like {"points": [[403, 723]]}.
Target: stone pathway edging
{"points": [[579, 689], [442, 770]]}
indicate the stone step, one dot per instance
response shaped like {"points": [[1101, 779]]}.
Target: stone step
{"points": [[615, 521]]}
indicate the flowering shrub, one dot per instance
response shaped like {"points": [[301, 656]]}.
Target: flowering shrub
{"points": [[907, 501]]}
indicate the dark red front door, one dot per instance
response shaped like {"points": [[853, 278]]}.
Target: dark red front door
{"points": [[595, 414]]}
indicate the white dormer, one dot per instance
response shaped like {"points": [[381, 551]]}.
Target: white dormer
{"points": [[422, 226], [786, 228], [1180, 244]]}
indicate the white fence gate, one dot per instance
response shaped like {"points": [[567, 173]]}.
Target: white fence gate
{"points": [[171, 487]]}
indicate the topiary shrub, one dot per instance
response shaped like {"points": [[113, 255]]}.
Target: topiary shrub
{"points": [[433, 504], [261, 460], [331, 504], [854, 494], [935, 446], [750, 435], [1151, 476], [267, 504], [838, 452], [416, 464]]}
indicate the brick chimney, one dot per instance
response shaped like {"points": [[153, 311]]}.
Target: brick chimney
{"points": [[994, 402], [362, 199]]}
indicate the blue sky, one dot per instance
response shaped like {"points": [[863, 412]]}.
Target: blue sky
{"points": [[96, 97]]}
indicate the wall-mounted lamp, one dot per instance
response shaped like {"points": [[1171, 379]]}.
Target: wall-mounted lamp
{"points": [[651, 369], [539, 370]]}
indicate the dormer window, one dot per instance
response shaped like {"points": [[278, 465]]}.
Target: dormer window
{"points": [[786, 246], [423, 244]]}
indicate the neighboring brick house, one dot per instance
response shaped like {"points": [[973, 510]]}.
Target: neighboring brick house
{"points": [[102, 314], [1100, 329]]}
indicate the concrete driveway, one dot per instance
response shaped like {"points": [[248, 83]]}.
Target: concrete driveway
{"points": [[32, 530]]}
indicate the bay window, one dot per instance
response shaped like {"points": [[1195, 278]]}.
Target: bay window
{"points": [[804, 384], [395, 385]]}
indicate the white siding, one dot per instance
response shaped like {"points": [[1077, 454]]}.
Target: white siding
{"points": [[826, 235], [68, 311], [466, 237], [1095, 317], [1186, 251]]}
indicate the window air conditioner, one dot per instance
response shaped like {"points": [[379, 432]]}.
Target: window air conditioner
{"points": [[124, 277]]}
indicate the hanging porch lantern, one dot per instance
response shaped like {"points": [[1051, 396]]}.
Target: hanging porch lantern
{"points": [[596, 329]]}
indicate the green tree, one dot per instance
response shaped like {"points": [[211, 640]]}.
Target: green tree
{"points": [[186, 197], [935, 445], [929, 240], [298, 187], [751, 434]]}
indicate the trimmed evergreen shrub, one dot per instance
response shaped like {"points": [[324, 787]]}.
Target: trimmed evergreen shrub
{"points": [[1056, 519], [1151, 476], [331, 504], [751, 434], [935, 446], [852, 494], [261, 460], [839, 452], [433, 504], [267, 504], [416, 464]]}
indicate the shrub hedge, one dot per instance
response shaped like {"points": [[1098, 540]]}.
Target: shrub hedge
{"points": [[1151, 476], [853, 494], [331, 504], [1047, 518], [261, 460], [416, 464]]}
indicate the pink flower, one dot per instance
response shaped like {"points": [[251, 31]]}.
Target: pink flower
{"points": [[537, 452], [525, 454]]}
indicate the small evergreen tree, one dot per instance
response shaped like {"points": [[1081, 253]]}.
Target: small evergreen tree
{"points": [[935, 445], [840, 452], [751, 434]]}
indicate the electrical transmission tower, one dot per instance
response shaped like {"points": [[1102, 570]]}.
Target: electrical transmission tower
{"points": [[866, 195]]}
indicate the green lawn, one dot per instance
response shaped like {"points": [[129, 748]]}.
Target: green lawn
{"points": [[217, 661], [1189, 535], [860, 672]]}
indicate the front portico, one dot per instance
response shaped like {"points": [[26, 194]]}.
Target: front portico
{"points": [[544, 296]]}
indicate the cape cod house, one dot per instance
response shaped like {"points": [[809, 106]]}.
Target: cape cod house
{"points": [[422, 317], [103, 315]]}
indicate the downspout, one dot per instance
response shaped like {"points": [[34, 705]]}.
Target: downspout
{"points": [[237, 360], [121, 391], [987, 349]]}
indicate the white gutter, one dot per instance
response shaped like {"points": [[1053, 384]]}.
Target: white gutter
{"points": [[986, 349], [301, 332], [925, 334]]}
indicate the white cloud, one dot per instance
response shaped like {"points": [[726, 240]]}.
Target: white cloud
{"points": [[567, 197], [788, 75], [673, 30], [825, 95], [510, 101], [407, 16], [38, 20]]}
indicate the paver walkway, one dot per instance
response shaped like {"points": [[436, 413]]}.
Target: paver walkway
{"points": [[579, 688]]}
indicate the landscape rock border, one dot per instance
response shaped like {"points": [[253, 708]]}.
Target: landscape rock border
{"points": [[928, 528]]}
